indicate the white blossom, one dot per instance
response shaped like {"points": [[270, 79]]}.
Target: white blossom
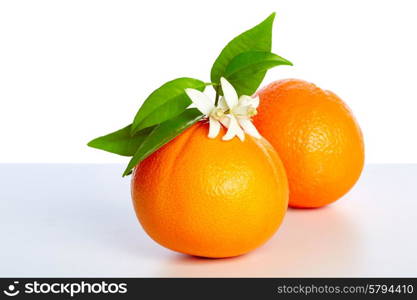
{"points": [[232, 112]]}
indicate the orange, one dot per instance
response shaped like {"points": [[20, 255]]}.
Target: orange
{"points": [[208, 197], [317, 138]]}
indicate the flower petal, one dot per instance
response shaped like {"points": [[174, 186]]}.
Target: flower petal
{"points": [[240, 110], [201, 101], [255, 102], [229, 93], [222, 104], [245, 100], [249, 128], [225, 121], [214, 128], [240, 134], [233, 130]]}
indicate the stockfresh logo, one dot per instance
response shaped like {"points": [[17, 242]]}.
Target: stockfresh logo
{"points": [[71, 289], [12, 290]]}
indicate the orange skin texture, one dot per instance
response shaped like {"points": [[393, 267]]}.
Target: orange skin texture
{"points": [[208, 197], [317, 138]]}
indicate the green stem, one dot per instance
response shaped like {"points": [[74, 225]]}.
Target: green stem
{"points": [[217, 95]]}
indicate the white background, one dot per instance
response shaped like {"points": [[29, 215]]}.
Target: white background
{"points": [[73, 70]]}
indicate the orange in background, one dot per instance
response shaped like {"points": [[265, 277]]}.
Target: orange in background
{"points": [[317, 138]]}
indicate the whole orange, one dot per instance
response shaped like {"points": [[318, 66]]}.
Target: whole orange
{"points": [[317, 138], [208, 197]]}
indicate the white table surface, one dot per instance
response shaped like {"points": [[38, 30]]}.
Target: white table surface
{"points": [[77, 220]]}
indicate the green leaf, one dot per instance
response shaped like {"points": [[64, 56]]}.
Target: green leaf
{"points": [[259, 38], [166, 102], [162, 134], [247, 70], [120, 142]]}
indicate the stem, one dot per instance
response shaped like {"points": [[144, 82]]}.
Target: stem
{"points": [[217, 95]]}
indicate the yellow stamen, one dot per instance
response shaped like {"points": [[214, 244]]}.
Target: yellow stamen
{"points": [[217, 113]]}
